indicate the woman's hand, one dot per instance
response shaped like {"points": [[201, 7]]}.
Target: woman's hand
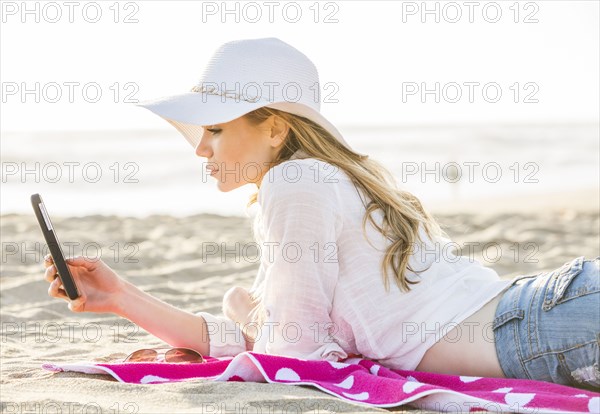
{"points": [[99, 286], [237, 305]]}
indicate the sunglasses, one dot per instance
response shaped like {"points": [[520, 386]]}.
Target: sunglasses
{"points": [[173, 355]]}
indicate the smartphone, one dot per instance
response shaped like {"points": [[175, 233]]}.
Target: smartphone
{"points": [[54, 246]]}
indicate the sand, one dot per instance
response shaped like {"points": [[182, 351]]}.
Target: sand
{"points": [[168, 259]]}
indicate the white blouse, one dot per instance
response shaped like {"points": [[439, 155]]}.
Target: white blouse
{"points": [[322, 284]]}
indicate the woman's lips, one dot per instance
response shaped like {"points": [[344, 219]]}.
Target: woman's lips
{"points": [[211, 169]]}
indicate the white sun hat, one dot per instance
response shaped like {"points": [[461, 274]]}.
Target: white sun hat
{"points": [[242, 76]]}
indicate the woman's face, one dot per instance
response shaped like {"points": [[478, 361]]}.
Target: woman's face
{"points": [[239, 152]]}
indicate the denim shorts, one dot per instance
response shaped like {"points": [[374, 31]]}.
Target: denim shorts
{"points": [[547, 326]]}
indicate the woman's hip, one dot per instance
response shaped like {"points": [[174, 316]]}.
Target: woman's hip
{"points": [[547, 326]]}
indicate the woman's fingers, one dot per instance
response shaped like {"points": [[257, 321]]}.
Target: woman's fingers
{"points": [[89, 264], [55, 290], [50, 273]]}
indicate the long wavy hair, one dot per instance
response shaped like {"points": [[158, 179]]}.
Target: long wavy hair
{"points": [[402, 212]]}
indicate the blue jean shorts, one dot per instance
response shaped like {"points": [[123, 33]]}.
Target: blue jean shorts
{"points": [[547, 326]]}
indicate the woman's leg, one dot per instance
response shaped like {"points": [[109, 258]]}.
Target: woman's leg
{"points": [[547, 326]]}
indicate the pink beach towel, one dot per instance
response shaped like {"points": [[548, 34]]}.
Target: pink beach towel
{"points": [[362, 381]]}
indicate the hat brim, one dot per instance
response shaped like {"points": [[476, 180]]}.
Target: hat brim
{"points": [[189, 112]]}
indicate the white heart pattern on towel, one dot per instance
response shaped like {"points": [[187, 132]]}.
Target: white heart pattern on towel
{"points": [[153, 378], [347, 383], [594, 405], [520, 399], [409, 387], [360, 396], [287, 374], [338, 365], [466, 379]]}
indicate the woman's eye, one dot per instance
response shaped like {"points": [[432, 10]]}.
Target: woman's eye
{"points": [[214, 131]]}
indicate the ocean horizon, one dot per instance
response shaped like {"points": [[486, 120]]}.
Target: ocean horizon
{"points": [[145, 172]]}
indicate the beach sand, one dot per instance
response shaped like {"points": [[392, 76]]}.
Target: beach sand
{"points": [[167, 257]]}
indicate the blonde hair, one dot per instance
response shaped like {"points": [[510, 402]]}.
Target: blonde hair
{"points": [[402, 211]]}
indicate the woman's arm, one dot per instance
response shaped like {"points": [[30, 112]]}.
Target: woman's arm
{"points": [[103, 291], [177, 327]]}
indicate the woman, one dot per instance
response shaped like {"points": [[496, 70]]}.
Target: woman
{"points": [[350, 265]]}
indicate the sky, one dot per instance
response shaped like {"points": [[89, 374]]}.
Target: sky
{"points": [[87, 63]]}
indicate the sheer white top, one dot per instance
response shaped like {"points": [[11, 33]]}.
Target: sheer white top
{"points": [[322, 284]]}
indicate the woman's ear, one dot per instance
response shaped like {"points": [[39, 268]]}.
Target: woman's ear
{"points": [[279, 130]]}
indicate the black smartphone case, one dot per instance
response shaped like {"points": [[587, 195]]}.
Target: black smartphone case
{"points": [[54, 246]]}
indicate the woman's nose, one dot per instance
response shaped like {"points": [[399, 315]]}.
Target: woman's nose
{"points": [[202, 151], [203, 148]]}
